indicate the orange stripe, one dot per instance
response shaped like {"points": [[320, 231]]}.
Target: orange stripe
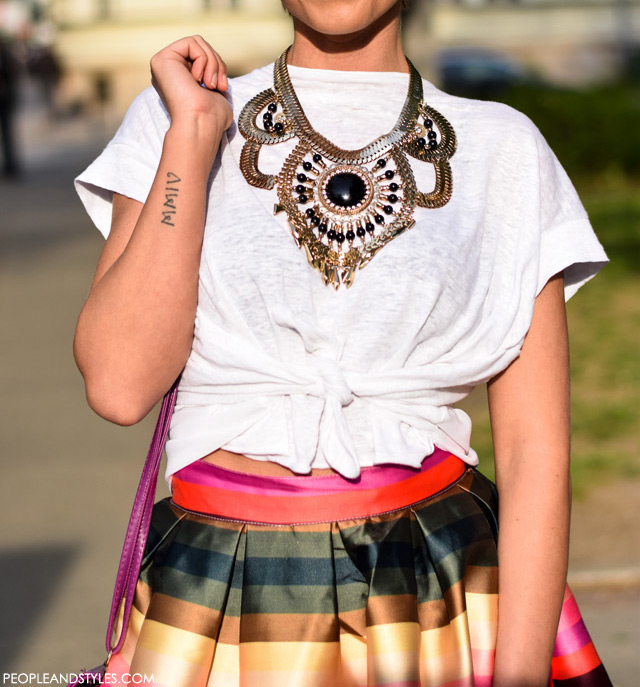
{"points": [[573, 665], [347, 505]]}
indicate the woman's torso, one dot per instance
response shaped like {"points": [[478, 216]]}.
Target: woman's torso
{"points": [[284, 369]]}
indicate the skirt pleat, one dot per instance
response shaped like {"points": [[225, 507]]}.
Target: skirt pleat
{"points": [[401, 599]]}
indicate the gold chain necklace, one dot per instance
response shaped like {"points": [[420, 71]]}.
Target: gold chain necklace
{"points": [[345, 205]]}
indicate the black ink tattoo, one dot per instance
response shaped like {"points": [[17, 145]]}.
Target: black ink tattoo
{"points": [[171, 192]]}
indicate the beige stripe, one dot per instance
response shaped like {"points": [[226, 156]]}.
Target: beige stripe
{"points": [[317, 657], [175, 642], [353, 657], [482, 606], [170, 670], [133, 632], [225, 671], [393, 652], [445, 653]]}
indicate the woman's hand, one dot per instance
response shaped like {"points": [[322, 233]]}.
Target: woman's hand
{"points": [[191, 78]]}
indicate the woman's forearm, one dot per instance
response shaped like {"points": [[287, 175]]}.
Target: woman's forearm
{"points": [[135, 330], [533, 553]]}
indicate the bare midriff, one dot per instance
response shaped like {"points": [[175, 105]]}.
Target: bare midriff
{"points": [[240, 463]]}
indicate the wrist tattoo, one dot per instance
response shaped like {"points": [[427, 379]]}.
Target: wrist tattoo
{"points": [[171, 193]]}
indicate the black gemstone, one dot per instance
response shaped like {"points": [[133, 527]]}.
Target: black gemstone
{"points": [[388, 210], [432, 135], [278, 127], [379, 219], [268, 126], [369, 227], [300, 188], [389, 174], [317, 158], [322, 228], [428, 122], [309, 212], [392, 198], [421, 142], [381, 162], [331, 234], [360, 231], [301, 177], [302, 199], [340, 237], [315, 221], [307, 166], [346, 189], [350, 235], [272, 107], [433, 145], [267, 117], [393, 187]]}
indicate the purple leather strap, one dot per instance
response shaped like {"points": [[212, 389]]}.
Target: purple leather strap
{"points": [[138, 528]]}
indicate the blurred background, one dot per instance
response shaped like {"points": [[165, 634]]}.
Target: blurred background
{"points": [[69, 69]]}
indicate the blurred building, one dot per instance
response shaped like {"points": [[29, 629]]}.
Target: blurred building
{"points": [[105, 45]]}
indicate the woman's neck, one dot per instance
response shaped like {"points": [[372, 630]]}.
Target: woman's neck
{"points": [[378, 48]]}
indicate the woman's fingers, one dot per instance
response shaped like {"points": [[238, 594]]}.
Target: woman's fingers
{"points": [[177, 70], [194, 53], [215, 73], [203, 62], [210, 73]]}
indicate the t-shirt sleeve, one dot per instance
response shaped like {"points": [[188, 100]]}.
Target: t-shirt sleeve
{"points": [[129, 162], [567, 240]]}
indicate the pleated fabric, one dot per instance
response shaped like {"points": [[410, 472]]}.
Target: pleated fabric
{"points": [[407, 598]]}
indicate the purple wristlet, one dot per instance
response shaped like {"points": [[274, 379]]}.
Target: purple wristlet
{"points": [[135, 540], [138, 528]]}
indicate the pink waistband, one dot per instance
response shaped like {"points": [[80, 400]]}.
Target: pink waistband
{"points": [[212, 490]]}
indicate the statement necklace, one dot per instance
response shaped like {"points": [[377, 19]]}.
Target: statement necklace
{"points": [[345, 205]]}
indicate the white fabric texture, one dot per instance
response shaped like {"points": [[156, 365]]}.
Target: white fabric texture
{"points": [[285, 369]]}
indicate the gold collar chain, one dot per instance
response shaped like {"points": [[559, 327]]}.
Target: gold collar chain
{"points": [[345, 205]]}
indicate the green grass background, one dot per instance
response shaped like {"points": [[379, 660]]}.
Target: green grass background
{"points": [[602, 156]]}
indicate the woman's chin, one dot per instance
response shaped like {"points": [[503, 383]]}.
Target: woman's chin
{"points": [[341, 17]]}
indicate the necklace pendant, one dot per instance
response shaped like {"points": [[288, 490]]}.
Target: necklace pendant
{"points": [[343, 206]]}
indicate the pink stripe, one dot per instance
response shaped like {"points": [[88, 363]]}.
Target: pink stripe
{"points": [[117, 669], [572, 639], [206, 474], [570, 614], [483, 660], [482, 681], [461, 682]]}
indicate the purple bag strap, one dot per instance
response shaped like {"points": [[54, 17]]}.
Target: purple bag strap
{"points": [[138, 528]]}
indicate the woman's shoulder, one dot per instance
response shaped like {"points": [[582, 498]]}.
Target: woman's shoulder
{"points": [[491, 132], [489, 121]]}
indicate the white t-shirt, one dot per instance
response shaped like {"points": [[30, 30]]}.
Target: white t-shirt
{"points": [[284, 368]]}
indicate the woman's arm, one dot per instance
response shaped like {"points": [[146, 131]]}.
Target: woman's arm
{"points": [[529, 405], [135, 330]]}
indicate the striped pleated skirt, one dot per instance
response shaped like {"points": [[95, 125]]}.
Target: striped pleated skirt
{"points": [[319, 581]]}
